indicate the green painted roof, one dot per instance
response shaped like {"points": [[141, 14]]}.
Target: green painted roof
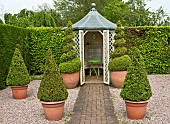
{"points": [[94, 21]]}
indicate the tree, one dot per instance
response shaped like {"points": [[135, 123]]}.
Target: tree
{"points": [[74, 10], [135, 13], [26, 18]]}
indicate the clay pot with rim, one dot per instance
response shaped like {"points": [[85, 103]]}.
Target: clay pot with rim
{"points": [[53, 110], [19, 92], [136, 110], [117, 78], [71, 79]]}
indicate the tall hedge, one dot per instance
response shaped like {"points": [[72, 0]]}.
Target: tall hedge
{"points": [[40, 40], [9, 37], [153, 45]]}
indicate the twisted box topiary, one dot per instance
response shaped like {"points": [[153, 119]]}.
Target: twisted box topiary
{"points": [[69, 61], [118, 55], [18, 74], [70, 64], [52, 87], [136, 85], [119, 60]]}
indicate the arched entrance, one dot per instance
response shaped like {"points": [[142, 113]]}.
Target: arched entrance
{"points": [[93, 57]]}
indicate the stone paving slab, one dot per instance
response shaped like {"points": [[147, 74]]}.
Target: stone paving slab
{"points": [[93, 106]]}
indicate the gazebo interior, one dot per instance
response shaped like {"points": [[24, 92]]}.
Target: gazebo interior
{"points": [[93, 54]]}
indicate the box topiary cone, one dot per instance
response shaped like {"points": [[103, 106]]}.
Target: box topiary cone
{"points": [[18, 77], [52, 91], [136, 90], [70, 64]]}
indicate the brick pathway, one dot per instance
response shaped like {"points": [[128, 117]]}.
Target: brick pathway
{"points": [[93, 106]]}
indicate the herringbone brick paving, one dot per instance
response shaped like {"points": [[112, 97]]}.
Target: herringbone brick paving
{"points": [[93, 106]]}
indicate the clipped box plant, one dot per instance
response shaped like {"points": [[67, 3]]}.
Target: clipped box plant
{"points": [[18, 77], [119, 60], [52, 91], [136, 88], [70, 63]]}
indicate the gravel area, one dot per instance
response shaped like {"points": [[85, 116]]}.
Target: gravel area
{"points": [[158, 108], [29, 110]]}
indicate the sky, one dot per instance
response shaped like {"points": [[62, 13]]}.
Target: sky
{"points": [[14, 6]]}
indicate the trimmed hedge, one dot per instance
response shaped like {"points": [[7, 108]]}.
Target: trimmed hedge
{"points": [[9, 37], [153, 45], [33, 42], [40, 40]]}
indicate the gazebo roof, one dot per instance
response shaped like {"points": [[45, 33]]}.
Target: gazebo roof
{"points": [[94, 21]]}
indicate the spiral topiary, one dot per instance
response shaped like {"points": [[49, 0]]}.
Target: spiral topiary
{"points": [[119, 55], [18, 74], [136, 85], [69, 61], [52, 88]]}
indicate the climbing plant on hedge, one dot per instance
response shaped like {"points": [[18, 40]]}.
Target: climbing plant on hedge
{"points": [[136, 85], [52, 87], [69, 61], [18, 74]]}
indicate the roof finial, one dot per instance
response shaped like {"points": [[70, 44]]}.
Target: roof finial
{"points": [[93, 5]]}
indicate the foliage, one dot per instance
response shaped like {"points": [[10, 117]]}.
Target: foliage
{"points": [[42, 18], [74, 10], [119, 63], [154, 49], [40, 40], [134, 13], [136, 85], [119, 51], [1, 22], [51, 87], [69, 64], [9, 37], [18, 74], [120, 60], [27, 18], [153, 45]]}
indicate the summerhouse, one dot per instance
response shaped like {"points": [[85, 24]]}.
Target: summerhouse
{"points": [[94, 36]]}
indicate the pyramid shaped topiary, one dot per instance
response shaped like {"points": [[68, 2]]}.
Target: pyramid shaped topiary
{"points": [[120, 60], [70, 63], [18, 74], [51, 87], [136, 85]]}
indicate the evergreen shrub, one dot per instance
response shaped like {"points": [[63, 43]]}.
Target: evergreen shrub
{"points": [[136, 85], [119, 58], [9, 37], [119, 63], [69, 61], [52, 87], [18, 74]]}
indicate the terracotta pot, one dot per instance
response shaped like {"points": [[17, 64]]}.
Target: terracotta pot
{"points": [[19, 92], [53, 110], [117, 78], [136, 110], [71, 80]]}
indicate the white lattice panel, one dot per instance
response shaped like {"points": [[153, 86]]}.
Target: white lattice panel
{"points": [[106, 56], [111, 41], [76, 40]]}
